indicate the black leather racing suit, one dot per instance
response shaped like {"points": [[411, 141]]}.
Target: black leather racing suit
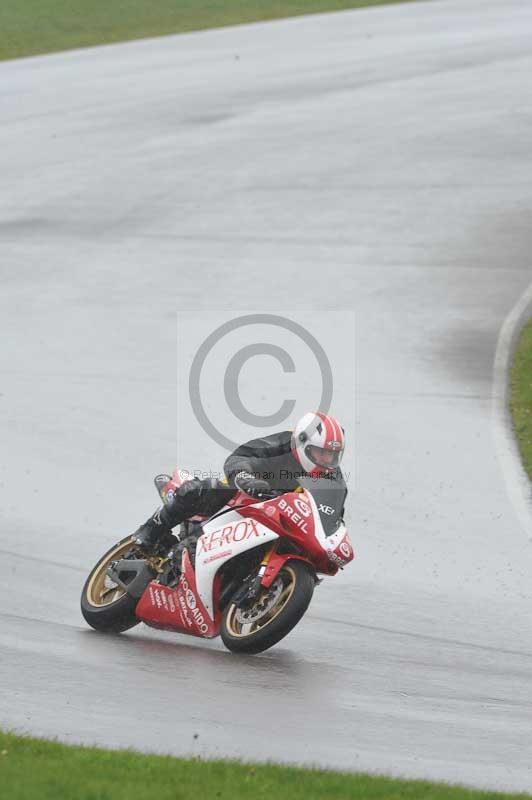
{"points": [[269, 458]]}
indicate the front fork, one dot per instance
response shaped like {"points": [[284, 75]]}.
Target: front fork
{"points": [[270, 566], [256, 584]]}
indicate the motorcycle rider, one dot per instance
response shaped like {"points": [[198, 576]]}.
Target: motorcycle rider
{"points": [[270, 463]]}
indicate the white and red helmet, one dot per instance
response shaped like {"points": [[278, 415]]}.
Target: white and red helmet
{"points": [[318, 443]]}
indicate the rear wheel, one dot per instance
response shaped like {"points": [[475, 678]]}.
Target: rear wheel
{"points": [[252, 629], [105, 605]]}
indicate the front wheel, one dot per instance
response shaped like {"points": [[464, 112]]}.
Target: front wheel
{"points": [[105, 604], [252, 629]]}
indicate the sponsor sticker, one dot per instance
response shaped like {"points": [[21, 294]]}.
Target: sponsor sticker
{"points": [[230, 534], [335, 559], [191, 600], [198, 617], [293, 516], [302, 507], [216, 556], [345, 549]]}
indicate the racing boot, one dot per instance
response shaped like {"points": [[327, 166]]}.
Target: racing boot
{"points": [[155, 535]]}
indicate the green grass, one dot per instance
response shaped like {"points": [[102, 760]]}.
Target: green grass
{"points": [[34, 769], [521, 395], [28, 27]]}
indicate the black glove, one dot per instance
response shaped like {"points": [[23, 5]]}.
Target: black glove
{"points": [[254, 487]]}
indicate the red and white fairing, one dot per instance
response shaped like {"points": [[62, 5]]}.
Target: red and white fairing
{"points": [[192, 606]]}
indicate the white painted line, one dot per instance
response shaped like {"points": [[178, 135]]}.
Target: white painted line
{"points": [[517, 483]]}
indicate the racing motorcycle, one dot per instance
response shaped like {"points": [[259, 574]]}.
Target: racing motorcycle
{"points": [[248, 573]]}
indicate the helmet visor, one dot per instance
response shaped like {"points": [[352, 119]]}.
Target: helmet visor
{"points": [[325, 457]]}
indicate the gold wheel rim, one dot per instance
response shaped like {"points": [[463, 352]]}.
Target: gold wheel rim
{"points": [[235, 628], [98, 594]]}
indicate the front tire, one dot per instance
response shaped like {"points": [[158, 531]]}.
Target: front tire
{"points": [[105, 607], [273, 615]]}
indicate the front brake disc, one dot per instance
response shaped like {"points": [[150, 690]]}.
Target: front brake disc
{"points": [[262, 606]]}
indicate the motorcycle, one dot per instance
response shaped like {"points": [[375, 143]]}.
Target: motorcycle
{"points": [[248, 573]]}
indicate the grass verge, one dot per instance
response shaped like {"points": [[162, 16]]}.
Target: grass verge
{"points": [[28, 27], [34, 769], [521, 395]]}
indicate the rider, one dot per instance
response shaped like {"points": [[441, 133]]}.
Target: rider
{"points": [[275, 462]]}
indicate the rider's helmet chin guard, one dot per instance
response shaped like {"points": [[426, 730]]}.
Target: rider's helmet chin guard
{"points": [[318, 443]]}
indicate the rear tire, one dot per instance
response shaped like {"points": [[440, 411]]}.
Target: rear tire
{"points": [[285, 602], [106, 609]]}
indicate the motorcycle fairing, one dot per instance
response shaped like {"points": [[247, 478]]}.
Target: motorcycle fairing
{"points": [[224, 538], [295, 515], [189, 607], [337, 546], [179, 608]]}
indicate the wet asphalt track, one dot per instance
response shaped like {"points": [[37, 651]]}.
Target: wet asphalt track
{"points": [[378, 161]]}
